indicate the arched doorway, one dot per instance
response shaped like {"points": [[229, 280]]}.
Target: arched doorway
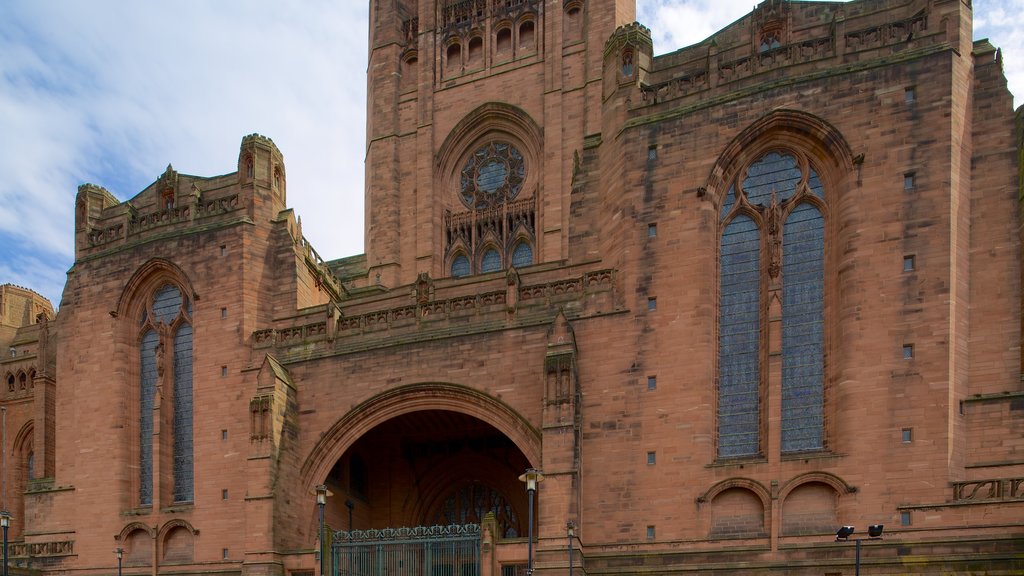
{"points": [[425, 468], [411, 493]]}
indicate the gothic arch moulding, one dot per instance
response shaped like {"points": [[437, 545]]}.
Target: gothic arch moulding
{"points": [[146, 280], [837, 483], [783, 128], [491, 121], [745, 483], [336, 440], [132, 527], [736, 508]]}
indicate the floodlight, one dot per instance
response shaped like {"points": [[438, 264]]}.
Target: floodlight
{"points": [[844, 532]]}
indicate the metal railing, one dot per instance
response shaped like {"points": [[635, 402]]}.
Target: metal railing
{"points": [[420, 551]]}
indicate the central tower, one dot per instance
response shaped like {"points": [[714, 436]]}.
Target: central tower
{"points": [[460, 177]]}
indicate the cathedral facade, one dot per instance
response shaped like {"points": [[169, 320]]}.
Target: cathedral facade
{"points": [[714, 305]]}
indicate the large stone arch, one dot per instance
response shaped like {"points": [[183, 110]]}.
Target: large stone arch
{"points": [[145, 279], [337, 439], [787, 128]]}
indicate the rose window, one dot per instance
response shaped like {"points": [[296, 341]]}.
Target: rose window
{"points": [[491, 176]]}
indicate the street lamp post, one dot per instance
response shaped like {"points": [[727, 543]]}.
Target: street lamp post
{"points": [[350, 505], [531, 477], [5, 522], [570, 531], [120, 553], [843, 535], [321, 500]]}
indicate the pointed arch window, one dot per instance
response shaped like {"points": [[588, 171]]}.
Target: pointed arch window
{"points": [[522, 255], [491, 262], [460, 266], [165, 385], [772, 245]]}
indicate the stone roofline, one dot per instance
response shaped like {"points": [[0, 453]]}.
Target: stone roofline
{"points": [[433, 309], [804, 36]]}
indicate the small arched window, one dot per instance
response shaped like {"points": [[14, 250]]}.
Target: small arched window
{"points": [[526, 35], [503, 41], [627, 62], [453, 58], [491, 262], [460, 266], [522, 255], [476, 52]]}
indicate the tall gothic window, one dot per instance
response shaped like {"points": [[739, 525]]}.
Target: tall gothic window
{"points": [[166, 325], [772, 242]]}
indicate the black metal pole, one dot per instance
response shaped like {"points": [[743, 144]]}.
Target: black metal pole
{"points": [[320, 505], [350, 505], [529, 531], [570, 554], [856, 568], [119, 564], [5, 549]]}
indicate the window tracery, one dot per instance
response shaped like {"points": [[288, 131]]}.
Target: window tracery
{"points": [[772, 220], [492, 175], [472, 502], [165, 379]]}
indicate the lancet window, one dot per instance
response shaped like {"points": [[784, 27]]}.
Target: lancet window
{"points": [[165, 392], [772, 242]]}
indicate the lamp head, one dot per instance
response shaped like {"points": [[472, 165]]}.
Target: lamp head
{"points": [[844, 532], [5, 518], [531, 477], [119, 552], [322, 494], [875, 530], [570, 529]]}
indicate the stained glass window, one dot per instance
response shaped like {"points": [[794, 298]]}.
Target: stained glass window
{"points": [[460, 266], [522, 255], [147, 392], [803, 278], [167, 304], [491, 261], [183, 486], [472, 502], [166, 308], [492, 175], [739, 340], [774, 171], [778, 184]]}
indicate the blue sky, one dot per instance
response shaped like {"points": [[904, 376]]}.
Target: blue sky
{"points": [[110, 92]]}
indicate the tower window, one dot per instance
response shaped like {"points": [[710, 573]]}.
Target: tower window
{"points": [[491, 261], [503, 41], [526, 35], [460, 266], [453, 58], [522, 255]]}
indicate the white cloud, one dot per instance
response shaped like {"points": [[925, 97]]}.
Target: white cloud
{"points": [[111, 92]]}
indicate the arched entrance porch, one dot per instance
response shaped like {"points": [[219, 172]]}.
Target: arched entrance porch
{"points": [[422, 456]]}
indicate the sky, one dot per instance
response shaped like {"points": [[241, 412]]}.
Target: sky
{"points": [[111, 92]]}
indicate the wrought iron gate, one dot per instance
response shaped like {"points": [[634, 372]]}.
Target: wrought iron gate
{"points": [[420, 551]]}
